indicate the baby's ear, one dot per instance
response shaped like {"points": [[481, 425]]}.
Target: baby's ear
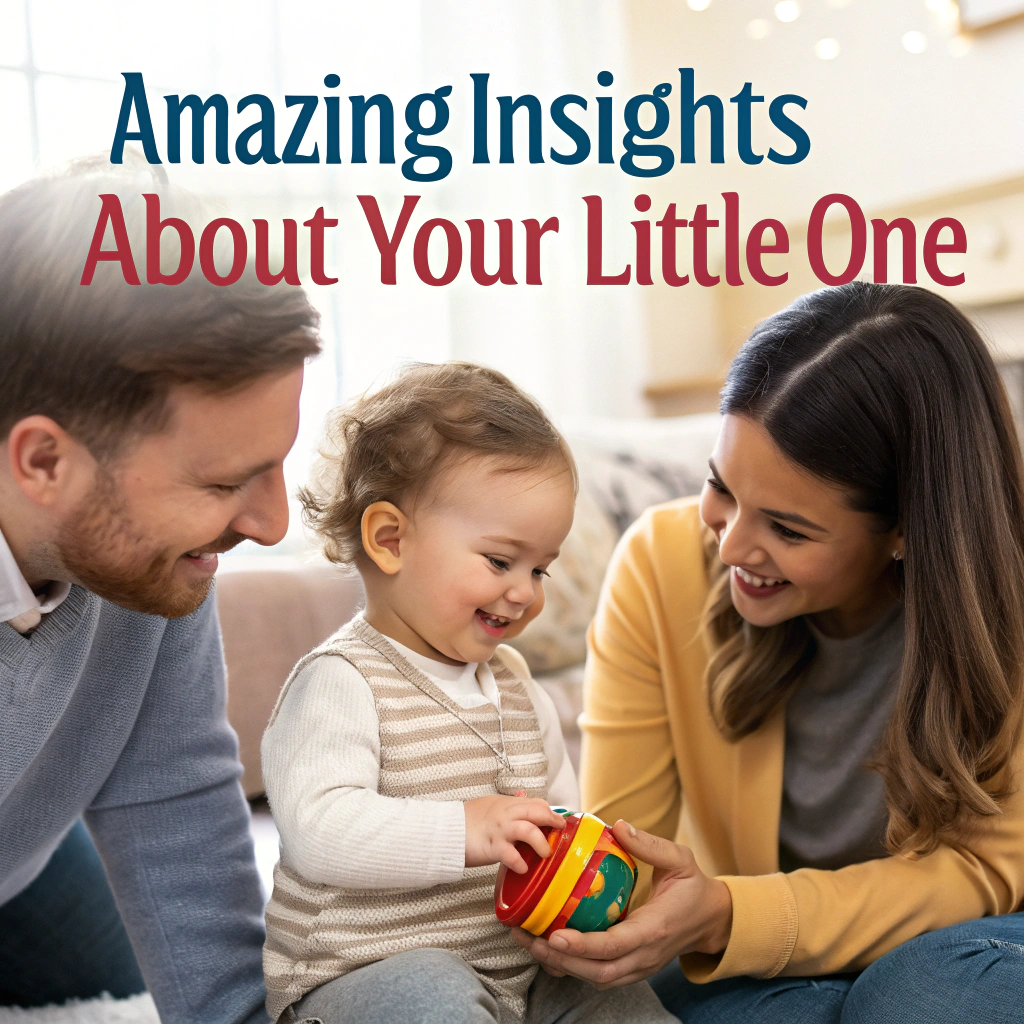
{"points": [[383, 527]]}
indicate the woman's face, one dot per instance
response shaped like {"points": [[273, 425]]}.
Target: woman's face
{"points": [[794, 545]]}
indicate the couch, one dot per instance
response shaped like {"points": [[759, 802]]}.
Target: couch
{"points": [[274, 609]]}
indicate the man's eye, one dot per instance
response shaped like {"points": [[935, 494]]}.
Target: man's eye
{"points": [[227, 488], [498, 563]]}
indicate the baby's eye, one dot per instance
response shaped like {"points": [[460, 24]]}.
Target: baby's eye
{"points": [[541, 572], [498, 563]]}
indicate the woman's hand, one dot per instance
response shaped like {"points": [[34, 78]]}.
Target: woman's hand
{"points": [[687, 912]]}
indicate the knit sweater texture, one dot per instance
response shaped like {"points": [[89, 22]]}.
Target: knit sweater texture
{"points": [[120, 717], [431, 749]]}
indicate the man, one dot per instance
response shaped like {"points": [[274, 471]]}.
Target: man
{"points": [[142, 433]]}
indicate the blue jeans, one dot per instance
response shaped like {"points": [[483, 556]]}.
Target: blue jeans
{"points": [[967, 974], [62, 937]]}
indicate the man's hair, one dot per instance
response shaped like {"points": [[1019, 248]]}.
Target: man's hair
{"points": [[390, 445], [100, 359]]}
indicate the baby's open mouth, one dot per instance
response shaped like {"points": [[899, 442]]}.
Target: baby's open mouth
{"points": [[495, 625]]}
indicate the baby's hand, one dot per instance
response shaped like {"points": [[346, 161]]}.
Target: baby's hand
{"points": [[494, 824]]}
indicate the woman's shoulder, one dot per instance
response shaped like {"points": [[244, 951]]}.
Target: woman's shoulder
{"points": [[673, 530], [679, 517], [662, 556]]}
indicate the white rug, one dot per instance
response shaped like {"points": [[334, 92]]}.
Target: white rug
{"points": [[105, 1010]]}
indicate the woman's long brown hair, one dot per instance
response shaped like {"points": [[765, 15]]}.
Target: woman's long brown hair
{"points": [[889, 392]]}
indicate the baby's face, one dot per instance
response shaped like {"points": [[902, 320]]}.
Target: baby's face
{"points": [[476, 553]]}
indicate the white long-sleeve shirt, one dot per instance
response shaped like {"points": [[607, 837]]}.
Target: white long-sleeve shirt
{"points": [[321, 763]]}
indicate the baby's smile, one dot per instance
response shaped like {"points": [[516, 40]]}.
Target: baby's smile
{"points": [[494, 625]]}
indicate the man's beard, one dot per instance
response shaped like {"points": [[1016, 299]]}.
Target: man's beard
{"points": [[105, 552]]}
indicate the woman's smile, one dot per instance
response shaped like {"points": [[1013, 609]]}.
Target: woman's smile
{"points": [[753, 585]]}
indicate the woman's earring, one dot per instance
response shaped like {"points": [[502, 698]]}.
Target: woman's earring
{"points": [[898, 556]]}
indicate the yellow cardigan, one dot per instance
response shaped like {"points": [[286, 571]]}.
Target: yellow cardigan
{"points": [[652, 755]]}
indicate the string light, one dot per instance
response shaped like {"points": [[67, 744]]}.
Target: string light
{"points": [[826, 49], [915, 42]]}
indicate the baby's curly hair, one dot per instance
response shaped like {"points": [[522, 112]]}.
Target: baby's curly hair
{"points": [[388, 445]]}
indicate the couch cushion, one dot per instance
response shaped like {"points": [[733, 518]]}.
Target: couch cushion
{"points": [[625, 466], [273, 610]]}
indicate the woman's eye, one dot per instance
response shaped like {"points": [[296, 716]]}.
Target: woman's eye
{"points": [[498, 563], [787, 533], [715, 485]]}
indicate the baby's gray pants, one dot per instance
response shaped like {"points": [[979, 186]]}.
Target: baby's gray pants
{"points": [[435, 986]]}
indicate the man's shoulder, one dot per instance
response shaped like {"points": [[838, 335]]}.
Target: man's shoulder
{"points": [[152, 642]]}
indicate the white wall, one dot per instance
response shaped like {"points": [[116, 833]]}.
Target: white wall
{"points": [[886, 126]]}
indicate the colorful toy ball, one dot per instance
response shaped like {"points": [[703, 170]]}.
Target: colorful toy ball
{"points": [[585, 884]]}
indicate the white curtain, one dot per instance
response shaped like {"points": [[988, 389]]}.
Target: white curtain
{"points": [[579, 349]]}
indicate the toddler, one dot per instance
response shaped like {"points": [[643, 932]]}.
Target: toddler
{"points": [[411, 751]]}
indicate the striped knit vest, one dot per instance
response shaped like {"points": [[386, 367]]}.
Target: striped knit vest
{"points": [[430, 749]]}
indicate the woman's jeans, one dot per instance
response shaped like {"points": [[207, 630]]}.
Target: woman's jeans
{"points": [[62, 937], [971, 973]]}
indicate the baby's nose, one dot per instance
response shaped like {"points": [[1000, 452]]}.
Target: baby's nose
{"points": [[521, 593]]}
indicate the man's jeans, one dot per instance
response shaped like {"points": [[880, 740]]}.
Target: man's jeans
{"points": [[971, 973], [62, 937]]}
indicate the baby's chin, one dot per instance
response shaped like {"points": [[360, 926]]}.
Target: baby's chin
{"points": [[479, 648], [472, 646]]}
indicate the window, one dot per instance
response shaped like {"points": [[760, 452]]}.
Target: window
{"points": [[60, 93], [579, 350]]}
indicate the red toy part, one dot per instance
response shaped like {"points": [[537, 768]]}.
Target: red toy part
{"points": [[516, 894], [586, 883]]}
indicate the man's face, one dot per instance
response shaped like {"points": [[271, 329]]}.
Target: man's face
{"points": [[148, 534]]}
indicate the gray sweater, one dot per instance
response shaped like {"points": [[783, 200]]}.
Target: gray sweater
{"points": [[120, 717], [833, 806]]}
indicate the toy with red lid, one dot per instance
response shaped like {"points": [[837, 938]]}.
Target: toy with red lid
{"points": [[585, 884]]}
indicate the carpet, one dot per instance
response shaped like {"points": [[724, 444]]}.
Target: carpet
{"points": [[105, 1010]]}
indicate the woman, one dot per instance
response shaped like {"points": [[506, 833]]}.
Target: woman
{"points": [[814, 680]]}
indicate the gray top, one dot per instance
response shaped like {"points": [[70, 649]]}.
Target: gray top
{"points": [[833, 808], [119, 717]]}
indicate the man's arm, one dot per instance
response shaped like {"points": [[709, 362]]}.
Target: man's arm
{"points": [[172, 827]]}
